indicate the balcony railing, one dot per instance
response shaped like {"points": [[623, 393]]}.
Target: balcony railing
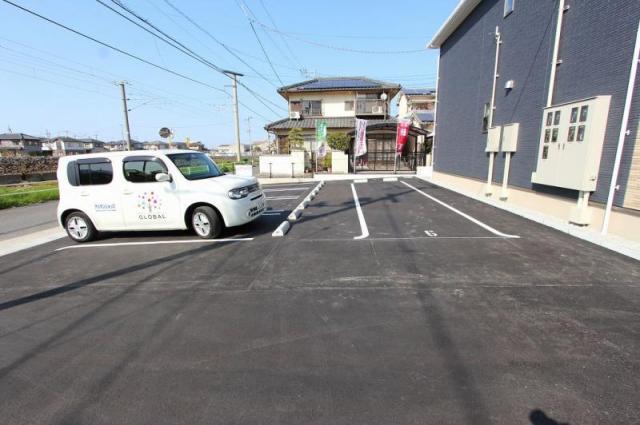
{"points": [[370, 107]]}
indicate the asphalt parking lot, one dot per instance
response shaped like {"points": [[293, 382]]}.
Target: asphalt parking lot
{"points": [[386, 303]]}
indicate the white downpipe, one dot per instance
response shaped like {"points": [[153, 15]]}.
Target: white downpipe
{"points": [[556, 48], [624, 131], [488, 190]]}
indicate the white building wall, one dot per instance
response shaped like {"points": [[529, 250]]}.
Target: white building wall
{"points": [[332, 103]]}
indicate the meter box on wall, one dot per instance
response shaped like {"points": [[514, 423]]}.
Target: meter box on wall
{"points": [[493, 139], [571, 142]]}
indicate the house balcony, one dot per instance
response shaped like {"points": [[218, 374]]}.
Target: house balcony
{"points": [[371, 107]]}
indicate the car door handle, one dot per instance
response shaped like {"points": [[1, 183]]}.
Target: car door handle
{"points": [[84, 193], [127, 192]]}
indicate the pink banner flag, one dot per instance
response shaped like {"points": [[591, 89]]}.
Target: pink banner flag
{"points": [[402, 134]]}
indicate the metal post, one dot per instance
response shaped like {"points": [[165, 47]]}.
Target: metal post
{"points": [[126, 115], [270, 175], [292, 164], [234, 78]]}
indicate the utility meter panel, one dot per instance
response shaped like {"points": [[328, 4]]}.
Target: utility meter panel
{"points": [[493, 139], [571, 142], [510, 137]]}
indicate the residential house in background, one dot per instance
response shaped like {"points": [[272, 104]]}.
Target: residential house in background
{"points": [[19, 144], [61, 146], [418, 105], [339, 101], [230, 150], [121, 145], [196, 146], [531, 97], [93, 145]]}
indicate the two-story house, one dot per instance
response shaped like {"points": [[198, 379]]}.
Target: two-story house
{"points": [[339, 101], [19, 144], [418, 105]]}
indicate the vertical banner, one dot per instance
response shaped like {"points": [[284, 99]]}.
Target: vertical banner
{"points": [[402, 134], [321, 137], [360, 147]]}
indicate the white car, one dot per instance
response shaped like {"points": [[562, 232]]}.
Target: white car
{"points": [[152, 190]]}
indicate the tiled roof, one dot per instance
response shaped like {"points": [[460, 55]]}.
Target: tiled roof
{"points": [[418, 92], [17, 136], [336, 122], [424, 115], [338, 83]]}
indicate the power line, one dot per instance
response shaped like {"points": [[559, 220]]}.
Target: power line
{"points": [[246, 11], [334, 47], [284, 40], [181, 47], [109, 46], [223, 45]]}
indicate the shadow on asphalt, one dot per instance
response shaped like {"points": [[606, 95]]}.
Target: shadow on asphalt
{"points": [[86, 282], [538, 417]]}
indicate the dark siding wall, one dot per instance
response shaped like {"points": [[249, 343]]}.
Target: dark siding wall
{"points": [[596, 48]]}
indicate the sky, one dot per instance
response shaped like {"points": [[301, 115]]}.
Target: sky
{"points": [[56, 83]]}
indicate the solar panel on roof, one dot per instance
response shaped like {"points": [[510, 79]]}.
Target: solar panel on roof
{"points": [[338, 84]]}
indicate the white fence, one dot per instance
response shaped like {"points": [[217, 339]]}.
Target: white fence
{"points": [[283, 165]]}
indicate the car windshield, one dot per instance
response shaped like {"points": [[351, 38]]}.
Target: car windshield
{"points": [[195, 166]]}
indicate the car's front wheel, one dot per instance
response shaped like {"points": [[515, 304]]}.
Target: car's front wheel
{"points": [[206, 222], [79, 227]]}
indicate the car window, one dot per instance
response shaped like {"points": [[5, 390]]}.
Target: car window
{"points": [[195, 166], [89, 172], [143, 170]]}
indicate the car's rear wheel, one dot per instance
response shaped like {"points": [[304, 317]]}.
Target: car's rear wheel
{"points": [[206, 223], [79, 227]]}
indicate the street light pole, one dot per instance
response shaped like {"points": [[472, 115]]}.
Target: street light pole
{"points": [[234, 76], [126, 115]]}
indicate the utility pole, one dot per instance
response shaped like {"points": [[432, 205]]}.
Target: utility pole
{"points": [[126, 115], [234, 76]]}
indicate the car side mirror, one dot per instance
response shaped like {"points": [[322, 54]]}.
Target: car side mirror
{"points": [[163, 177]]}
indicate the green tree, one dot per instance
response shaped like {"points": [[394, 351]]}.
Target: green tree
{"points": [[296, 141], [339, 141]]}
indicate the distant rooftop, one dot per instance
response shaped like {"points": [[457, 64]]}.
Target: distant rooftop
{"points": [[425, 115], [418, 92], [17, 136], [339, 83]]}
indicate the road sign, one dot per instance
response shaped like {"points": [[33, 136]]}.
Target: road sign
{"points": [[164, 132]]}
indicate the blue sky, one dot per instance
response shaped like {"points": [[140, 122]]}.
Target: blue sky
{"points": [[54, 81]]}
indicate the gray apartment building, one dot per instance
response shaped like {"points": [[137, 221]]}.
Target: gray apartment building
{"points": [[541, 85]]}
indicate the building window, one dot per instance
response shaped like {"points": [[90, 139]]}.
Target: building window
{"points": [[348, 105], [485, 117], [312, 107], [508, 7]]}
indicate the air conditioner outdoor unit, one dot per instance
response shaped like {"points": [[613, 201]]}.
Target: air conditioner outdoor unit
{"points": [[294, 115], [377, 110]]}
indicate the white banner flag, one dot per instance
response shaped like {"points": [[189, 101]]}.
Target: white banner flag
{"points": [[361, 137]]}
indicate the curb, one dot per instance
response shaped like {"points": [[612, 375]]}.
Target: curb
{"points": [[284, 227]]}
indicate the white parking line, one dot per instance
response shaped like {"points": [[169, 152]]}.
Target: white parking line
{"points": [[284, 190], [104, 245], [467, 216], [281, 198], [363, 223], [271, 213]]}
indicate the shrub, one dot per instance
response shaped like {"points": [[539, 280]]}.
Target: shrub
{"points": [[296, 141], [339, 141]]}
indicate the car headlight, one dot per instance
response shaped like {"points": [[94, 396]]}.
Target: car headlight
{"points": [[239, 193]]}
